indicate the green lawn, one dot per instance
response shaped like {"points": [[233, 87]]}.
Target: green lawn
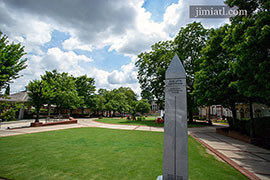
{"points": [[150, 121], [99, 154]]}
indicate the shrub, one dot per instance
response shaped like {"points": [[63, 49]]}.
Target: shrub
{"points": [[198, 117], [262, 126], [242, 126], [9, 111], [141, 118], [9, 115]]}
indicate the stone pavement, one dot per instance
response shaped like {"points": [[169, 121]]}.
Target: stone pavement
{"points": [[250, 160]]}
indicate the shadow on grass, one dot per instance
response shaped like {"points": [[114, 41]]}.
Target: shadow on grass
{"points": [[198, 124], [147, 123], [143, 123]]}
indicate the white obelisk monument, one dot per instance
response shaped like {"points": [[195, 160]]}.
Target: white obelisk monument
{"points": [[175, 155]]}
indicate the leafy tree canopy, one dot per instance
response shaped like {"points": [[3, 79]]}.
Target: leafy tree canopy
{"points": [[248, 39], [11, 62], [152, 65], [143, 106]]}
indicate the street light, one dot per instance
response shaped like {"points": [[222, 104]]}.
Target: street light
{"points": [[39, 96]]}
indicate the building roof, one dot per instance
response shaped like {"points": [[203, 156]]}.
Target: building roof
{"points": [[17, 97]]}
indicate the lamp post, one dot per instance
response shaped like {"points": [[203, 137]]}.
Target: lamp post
{"points": [[39, 96]]}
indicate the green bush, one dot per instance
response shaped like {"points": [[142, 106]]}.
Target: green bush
{"points": [[220, 121], [242, 126], [9, 111], [261, 126], [9, 115], [141, 118], [230, 121], [198, 117], [43, 111]]}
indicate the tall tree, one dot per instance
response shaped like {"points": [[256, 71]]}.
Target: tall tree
{"points": [[35, 93], [11, 62], [49, 88], [143, 106], [103, 99], [249, 40], [57, 88], [66, 95], [188, 44], [98, 104], [129, 99], [85, 88], [212, 81], [153, 64]]}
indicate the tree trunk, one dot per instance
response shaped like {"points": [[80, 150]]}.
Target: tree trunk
{"points": [[190, 105], [71, 112], [232, 105], [190, 116], [82, 111], [209, 114], [252, 129], [49, 110]]}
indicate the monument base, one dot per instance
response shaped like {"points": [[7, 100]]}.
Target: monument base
{"points": [[36, 124], [161, 178]]}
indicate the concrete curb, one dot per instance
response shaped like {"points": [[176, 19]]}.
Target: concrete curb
{"points": [[245, 172]]}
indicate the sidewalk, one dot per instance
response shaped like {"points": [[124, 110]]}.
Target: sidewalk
{"points": [[252, 161], [81, 123]]}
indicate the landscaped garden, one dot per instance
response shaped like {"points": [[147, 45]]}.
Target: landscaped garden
{"points": [[100, 154], [149, 121]]}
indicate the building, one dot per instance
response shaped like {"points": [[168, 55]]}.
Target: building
{"points": [[259, 110], [242, 111], [216, 111], [20, 97], [154, 106]]}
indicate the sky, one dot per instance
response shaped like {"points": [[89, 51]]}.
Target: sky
{"points": [[99, 38]]}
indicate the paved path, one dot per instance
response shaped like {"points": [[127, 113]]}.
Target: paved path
{"points": [[252, 161]]}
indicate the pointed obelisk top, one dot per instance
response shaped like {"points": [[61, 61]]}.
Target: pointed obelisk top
{"points": [[175, 69]]}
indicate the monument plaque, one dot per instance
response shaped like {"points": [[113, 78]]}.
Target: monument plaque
{"points": [[175, 155]]}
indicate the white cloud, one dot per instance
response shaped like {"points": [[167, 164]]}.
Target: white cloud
{"points": [[63, 61], [24, 28], [75, 44], [127, 75], [124, 26], [140, 38], [53, 59]]}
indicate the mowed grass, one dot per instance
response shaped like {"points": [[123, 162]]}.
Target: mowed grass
{"points": [[99, 154], [150, 121]]}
